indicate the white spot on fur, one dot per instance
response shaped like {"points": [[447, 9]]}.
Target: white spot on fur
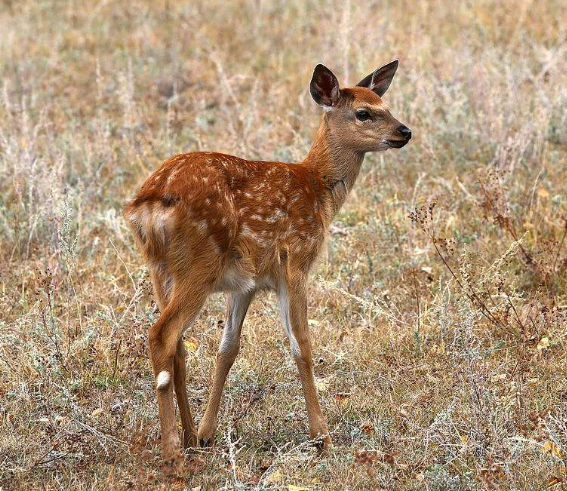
{"points": [[295, 199], [246, 232], [171, 177], [276, 216], [202, 225], [163, 379]]}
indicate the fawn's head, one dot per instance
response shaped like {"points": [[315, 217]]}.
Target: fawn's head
{"points": [[357, 116]]}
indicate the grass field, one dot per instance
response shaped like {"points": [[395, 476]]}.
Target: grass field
{"points": [[439, 313]]}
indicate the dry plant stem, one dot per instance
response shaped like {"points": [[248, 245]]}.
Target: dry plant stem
{"points": [[506, 222], [560, 244], [519, 369], [418, 306], [472, 296]]}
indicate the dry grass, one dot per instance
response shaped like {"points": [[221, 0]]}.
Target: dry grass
{"points": [[440, 337]]}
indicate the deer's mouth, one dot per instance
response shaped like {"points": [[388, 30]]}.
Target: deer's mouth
{"points": [[396, 143]]}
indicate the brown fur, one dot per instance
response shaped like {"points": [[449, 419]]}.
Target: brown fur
{"points": [[362, 94], [212, 222]]}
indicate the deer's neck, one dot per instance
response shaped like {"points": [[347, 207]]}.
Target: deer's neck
{"points": [[338, 167]]}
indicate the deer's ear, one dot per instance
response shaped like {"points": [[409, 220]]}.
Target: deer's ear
{"points": [[324, 87], [380, 79]]}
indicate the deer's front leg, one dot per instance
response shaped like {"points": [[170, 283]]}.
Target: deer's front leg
{"points": [[293, 304]]}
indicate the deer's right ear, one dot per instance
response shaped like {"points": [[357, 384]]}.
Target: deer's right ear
{"points": [[324, 87], [380, 79]]}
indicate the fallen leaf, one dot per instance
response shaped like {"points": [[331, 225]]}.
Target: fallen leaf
{"points": [[368, 428], [551, 448], [390, 458], [365, 456], [191, 345], [543, 343], [553, 480], [291, 487], [274, 477], [322, 384], [342, 398], [438, 348], [543, 193], [497, 377]]}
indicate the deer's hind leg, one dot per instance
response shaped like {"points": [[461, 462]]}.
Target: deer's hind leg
{"points": [[167, 355], [163, 283], [179, 377]]}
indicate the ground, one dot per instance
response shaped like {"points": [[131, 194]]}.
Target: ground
{"points": [[438, 312]]}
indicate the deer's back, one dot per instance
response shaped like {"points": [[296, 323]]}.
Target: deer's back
{"points": [[250, 213]]}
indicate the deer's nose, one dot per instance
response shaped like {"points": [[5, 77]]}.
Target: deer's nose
{"points": [[405, 132]]}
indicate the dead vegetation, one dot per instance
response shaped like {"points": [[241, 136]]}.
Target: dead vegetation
{"points": [[439, 313]]}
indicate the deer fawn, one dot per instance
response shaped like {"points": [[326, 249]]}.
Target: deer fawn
{"points": [[209, 222]]}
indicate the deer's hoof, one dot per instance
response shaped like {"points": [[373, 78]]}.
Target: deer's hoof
{"points": [[206, 433], [205, 442], [323, 443]]}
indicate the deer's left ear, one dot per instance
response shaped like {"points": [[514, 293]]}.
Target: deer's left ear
{"points": [[380, 80], [324, 87]]}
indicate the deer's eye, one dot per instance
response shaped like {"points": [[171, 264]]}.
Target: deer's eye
{"points": [[363, 115]]}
